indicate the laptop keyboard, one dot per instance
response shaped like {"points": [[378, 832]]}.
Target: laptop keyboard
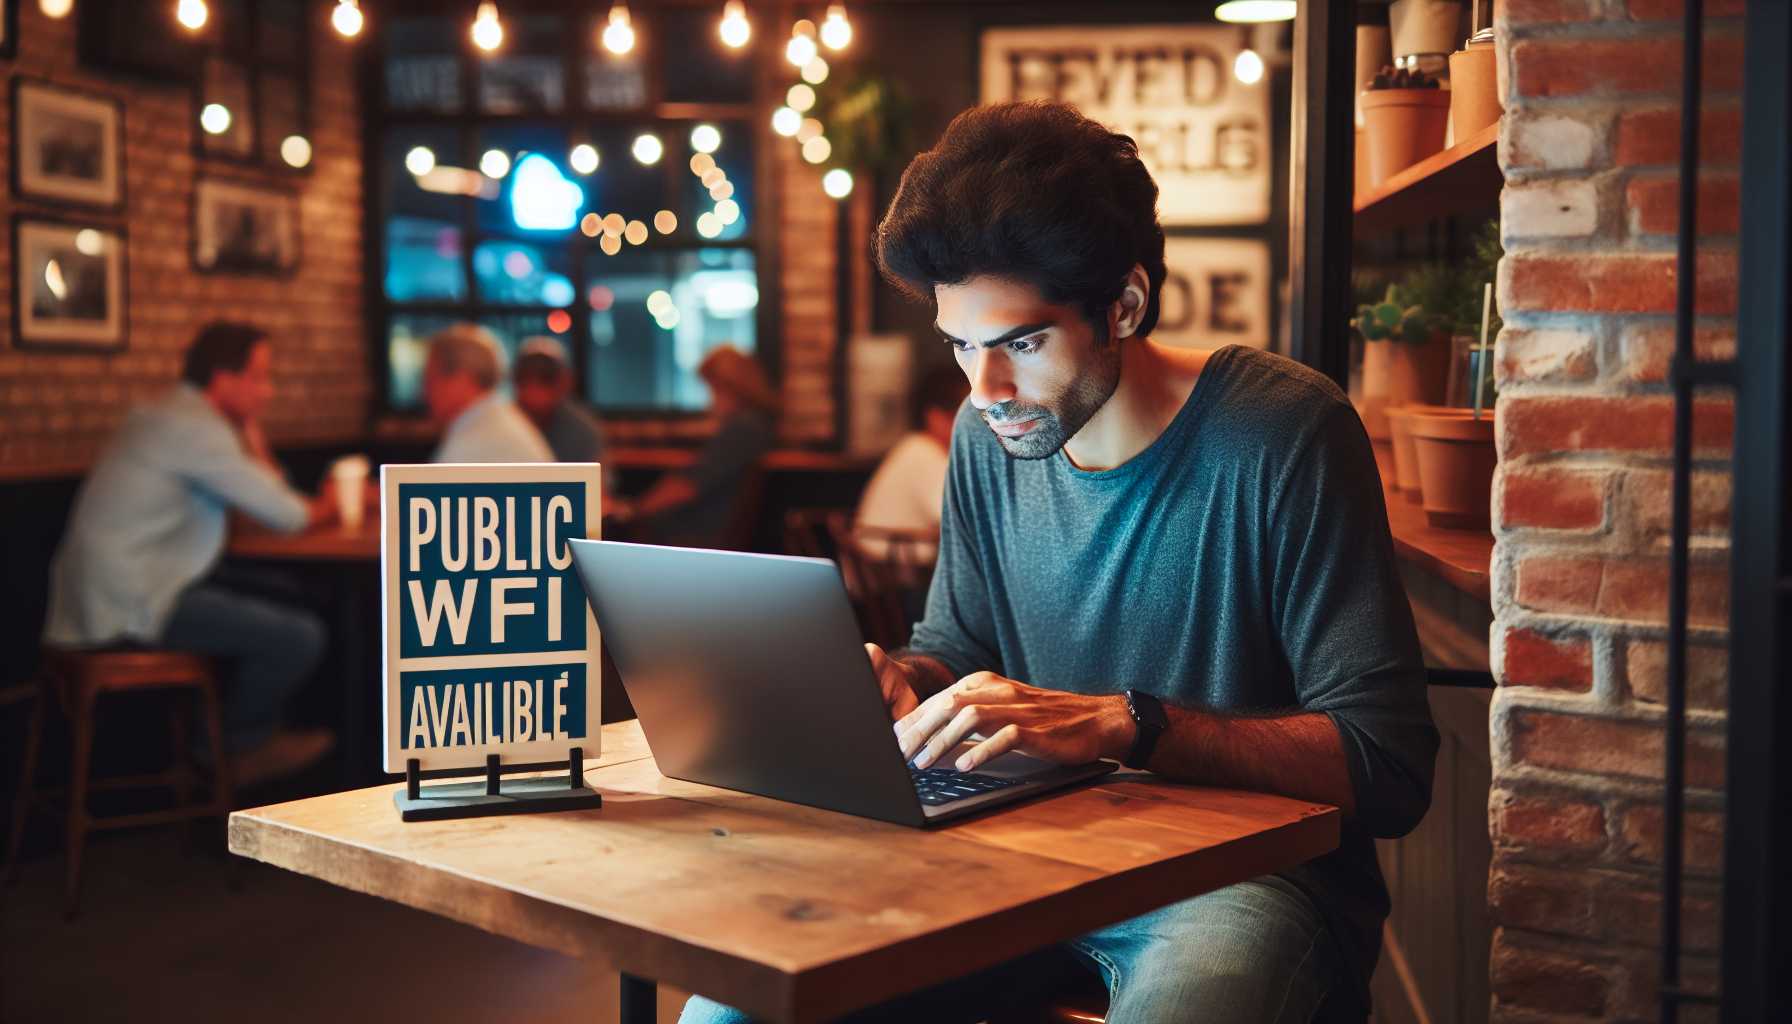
{"points": [[937, 786]]}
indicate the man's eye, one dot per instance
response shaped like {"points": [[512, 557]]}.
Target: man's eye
{"points": [[1024, 345]]}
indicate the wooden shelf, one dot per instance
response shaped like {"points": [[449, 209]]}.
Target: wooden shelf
{"points": [[1460, 557], [1464, 178]]}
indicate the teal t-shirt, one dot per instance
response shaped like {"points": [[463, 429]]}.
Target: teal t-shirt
{"points": [[1240, 563]]}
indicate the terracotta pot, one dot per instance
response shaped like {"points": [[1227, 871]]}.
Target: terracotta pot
{"points": [[1474, 91], [1406, 458], [1424, 26], [1399, 373], [1456, 460], [1404, 126]]}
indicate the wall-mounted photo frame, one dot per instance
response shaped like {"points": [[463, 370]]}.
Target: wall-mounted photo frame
{"points": [[244, 229], [68, 285], [67, 145]]}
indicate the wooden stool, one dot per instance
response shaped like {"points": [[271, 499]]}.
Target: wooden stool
{"points": [[75, 679]]}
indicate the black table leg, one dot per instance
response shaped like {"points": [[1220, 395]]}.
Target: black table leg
{"points": [[639, 1000]]}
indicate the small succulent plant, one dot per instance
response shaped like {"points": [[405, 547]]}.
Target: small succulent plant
{"points": [[1402, 78], [1392, 320]]}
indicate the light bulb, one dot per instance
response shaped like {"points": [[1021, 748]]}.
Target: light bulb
{"points": [[727, 211], [809, 129], [614, 224], [816, 71], [215, 118], [295, 150], [817, 150], [735, 27], [610, 244], [635, 233], [786, 121], [800, 97], [191, 14], [1254, 11], [619, 34], [800, 50], [488, 32], [583, 158], [647, 148], [591, 224], [706, 138], [420, 160], [702, 163], [495, 163], [55, 8], [1247, 67], [836, 31], [347, 19], [708, 225], [665, 222], [837, 183], [721, 190]]}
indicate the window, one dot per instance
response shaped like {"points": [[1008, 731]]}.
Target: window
{"points": [[558, 189]]}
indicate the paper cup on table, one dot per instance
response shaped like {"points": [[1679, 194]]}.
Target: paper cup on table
{"points": [[350, 473]]}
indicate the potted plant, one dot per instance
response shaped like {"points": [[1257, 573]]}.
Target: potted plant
{"points": [[1403, 359], [1405, 113], [1456, 457]]}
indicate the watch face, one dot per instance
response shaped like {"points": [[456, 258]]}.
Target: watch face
{"points": [[1146, 709]]}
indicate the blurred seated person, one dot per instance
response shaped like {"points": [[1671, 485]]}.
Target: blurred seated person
{"points": [[479, 422], [138, 563], [696, 507], [906, 491], [542, 381]]}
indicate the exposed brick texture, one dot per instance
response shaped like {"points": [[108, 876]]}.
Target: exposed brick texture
{"points": [[1651, 137], [56, 408], [1616, 283], [1553, 498], [1547, 822], [1653, 205], [1548, 424], [1554, 67], [1530, 658], [1605, 746]]}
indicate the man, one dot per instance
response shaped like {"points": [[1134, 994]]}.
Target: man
{"points": [[137, 562], [460, 386], [1197, 536], [906, 490], [542, 380]]}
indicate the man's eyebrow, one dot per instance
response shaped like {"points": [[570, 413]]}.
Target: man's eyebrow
{"points": [[1001, 339]]}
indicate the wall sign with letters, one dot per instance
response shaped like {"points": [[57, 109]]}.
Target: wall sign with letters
{"points": [[490, 645], [1216, 293]]}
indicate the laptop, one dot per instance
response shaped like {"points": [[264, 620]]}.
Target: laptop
{"points": [[747, 673]]}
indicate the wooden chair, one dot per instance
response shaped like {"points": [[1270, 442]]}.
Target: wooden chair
{"points": [[879, 582], [75, 679]]}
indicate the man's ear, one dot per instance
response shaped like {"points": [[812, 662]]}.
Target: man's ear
{"points": [[1129, 309]]}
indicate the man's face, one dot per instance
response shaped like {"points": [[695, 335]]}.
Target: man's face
{"points": [[447, 393], [243, 395], [537, 396], [1037, 369]]}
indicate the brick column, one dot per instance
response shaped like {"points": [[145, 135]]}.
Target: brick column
{"points": [[1590, 149]]}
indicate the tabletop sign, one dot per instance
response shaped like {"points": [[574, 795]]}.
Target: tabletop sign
{"points": [[489, 644]]}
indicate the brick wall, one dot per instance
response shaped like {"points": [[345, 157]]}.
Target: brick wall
{"points": [[809, 253], [1590, 149], [56, 408]]}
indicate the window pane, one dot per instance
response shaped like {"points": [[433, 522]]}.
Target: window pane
{"points": [[538, 195], [523, 273], [623, 183], [512, 329], [280, 32], [227, 85], [422, 65], [615, 81], [733, 156], [656, 314], [424, 244], [282, 111], [407, 337], [527, 76], [701, 69]]}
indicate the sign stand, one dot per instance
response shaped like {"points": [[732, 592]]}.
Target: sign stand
{"points": [[482, 799]]}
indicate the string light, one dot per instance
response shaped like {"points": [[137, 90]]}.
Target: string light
{"points": [[727, 211], [55, 8], [721, 190], [420, 160], [192, 14], [1247, 67], [635, 233], [706, 138], [347, 18], [836, 31], [817, 150], [809, 129], [619, 34], [613, 225], [488, 32], [665, 222], [1254, 11], [648, 148], [583, 158], [816, 71], [215, 118], [295, 150], [591, 224], [837, 183], [702, 163], [610, 244], [786, 121], [735, 28], [708, 226], [801, 49], [495, 163], [800, 97]]}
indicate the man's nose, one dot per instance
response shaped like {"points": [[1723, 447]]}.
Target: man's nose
{"points": [[992, 379]]}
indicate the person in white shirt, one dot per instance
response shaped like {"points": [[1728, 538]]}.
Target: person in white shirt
{"points": [[460, 386], [906, 490]]}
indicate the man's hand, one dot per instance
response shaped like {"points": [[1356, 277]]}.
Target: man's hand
{"points": [[1067, 728], [896, 680]]}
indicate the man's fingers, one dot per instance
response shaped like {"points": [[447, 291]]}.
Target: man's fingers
{"points": [[966, 721], [1005, 739], [928, 718]]}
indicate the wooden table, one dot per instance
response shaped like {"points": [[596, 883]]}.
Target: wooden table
{"points": [[325, 544], [790, 913]]}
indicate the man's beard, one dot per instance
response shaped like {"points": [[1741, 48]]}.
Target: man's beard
{"points": [[1060, 418]]}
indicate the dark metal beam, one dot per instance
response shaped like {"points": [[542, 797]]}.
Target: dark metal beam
{"points": [[1321, 181]]}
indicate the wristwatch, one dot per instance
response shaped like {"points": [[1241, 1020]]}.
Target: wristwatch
{"points": [[1149, 719]]}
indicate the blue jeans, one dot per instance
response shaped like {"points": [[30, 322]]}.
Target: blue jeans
{"points": [[1256, 951], [273, 648]]}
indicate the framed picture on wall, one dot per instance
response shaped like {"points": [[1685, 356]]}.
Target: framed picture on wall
{"points": [[67, 145], [69, 285], [244, 229]]}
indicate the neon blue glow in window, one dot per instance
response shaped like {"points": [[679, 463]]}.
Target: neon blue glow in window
{"points": [[541, 199]]}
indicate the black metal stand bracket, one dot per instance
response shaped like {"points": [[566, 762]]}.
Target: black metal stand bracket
{"points": [[487, 797]]}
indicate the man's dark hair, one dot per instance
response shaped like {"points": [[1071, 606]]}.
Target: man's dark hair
{"points": [[1035, 192], [220, 346], [942, 388]]}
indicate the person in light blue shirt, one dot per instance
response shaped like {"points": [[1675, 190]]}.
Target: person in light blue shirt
{"points": [[460, 386], [136, 564]]}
